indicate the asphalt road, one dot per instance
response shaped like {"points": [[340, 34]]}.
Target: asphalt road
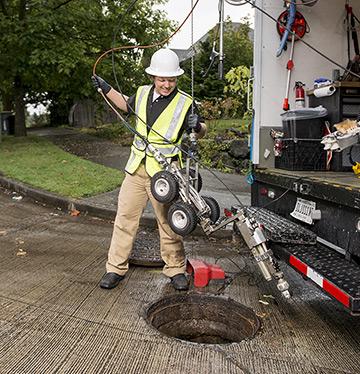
{"points": [[55, 318]]}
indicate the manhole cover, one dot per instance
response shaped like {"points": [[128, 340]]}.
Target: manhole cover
{"points": [[203, 319], [146, 251]]}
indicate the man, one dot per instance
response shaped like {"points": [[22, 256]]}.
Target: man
{"points": [[166, 110]]}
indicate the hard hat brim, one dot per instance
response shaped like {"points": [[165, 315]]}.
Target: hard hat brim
{"points": [[165, 74]]}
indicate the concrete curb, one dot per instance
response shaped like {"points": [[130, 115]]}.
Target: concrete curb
{"points": [[68, 204]]}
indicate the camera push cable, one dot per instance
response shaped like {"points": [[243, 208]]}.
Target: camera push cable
{"points": [[248, 226], [121, 117]]}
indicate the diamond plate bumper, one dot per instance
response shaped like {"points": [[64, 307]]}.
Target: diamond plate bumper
{"points": [[328, 269]]}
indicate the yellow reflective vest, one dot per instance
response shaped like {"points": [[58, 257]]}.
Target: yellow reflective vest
{"points": [[167, 126]]}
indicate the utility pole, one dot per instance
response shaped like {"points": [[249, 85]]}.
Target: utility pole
{"points": [[221, 42]]}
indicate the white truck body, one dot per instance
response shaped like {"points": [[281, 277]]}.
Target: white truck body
{"points": [[327, 34], [321, 195]]}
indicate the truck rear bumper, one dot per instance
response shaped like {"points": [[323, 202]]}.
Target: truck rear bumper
{"points": [[329, 270], [336, 196]]}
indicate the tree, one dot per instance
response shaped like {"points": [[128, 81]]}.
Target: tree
{"points": [[238, 50], [48, 49], [237, 85]]}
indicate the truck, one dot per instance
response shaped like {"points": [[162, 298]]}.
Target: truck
{"points": [[308, 198]]}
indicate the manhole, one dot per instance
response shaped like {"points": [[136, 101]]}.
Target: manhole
{"points": [[203, 319]]}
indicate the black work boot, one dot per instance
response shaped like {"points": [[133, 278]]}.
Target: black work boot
{"points": [[110, 280], [180, 282]]}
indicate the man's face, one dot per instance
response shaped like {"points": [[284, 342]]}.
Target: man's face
{"points": [[164, 85]]}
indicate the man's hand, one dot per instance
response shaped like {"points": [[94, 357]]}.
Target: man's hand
{"points": [[194, 123], [99, 83]]}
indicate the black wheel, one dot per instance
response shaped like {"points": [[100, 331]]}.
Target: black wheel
{"points": [[182, 218], [192, 176], [214, 208], [164, 187]]}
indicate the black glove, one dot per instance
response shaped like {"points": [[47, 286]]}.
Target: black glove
{"points": [[100, 83], [194, 123]]}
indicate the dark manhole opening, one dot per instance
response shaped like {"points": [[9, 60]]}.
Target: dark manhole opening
{"points": [[203, 319]]}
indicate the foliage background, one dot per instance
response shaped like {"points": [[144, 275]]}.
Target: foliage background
{"points": [[48, 49]]}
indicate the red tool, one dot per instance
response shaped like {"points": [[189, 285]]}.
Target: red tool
{"points": [[289, 67], [290, 20], [204, 272]]}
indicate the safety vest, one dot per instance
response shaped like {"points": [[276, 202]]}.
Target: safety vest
{"points": [[167, 126]]}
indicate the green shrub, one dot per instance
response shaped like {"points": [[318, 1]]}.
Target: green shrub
{"points": [[222, 108]]}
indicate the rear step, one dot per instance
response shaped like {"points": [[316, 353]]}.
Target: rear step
{"points": [[328, 269], [279, 229]]}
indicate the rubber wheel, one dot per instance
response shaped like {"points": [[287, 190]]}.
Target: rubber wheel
{"points": [[214, 208], [182, 218], [192, 175], [164, 187]]}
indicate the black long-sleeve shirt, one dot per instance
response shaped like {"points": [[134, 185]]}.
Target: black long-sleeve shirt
{"points": [[156, 107]]}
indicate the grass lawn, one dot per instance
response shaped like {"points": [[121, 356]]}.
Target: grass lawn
{"points": [[39, 163]]}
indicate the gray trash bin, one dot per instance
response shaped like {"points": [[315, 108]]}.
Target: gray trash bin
{"points": [[305, 123], [7, 123]]}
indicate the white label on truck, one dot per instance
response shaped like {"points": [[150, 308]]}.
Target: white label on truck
{"points": [[303, 210], [315, 277]]}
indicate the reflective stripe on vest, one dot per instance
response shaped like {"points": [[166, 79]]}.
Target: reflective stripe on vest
{"points": [[167, 126]]}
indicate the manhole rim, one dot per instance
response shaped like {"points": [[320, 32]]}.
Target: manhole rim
{"points": [[150, 304]]}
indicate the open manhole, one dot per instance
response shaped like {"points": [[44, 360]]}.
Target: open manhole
{"points": [[203, 319]]}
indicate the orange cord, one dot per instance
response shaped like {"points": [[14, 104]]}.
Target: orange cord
{"points": [[143, 46]]}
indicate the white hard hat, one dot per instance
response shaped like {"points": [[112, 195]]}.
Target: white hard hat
{"points": [[164, 63]]}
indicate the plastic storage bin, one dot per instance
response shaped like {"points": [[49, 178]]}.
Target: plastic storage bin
{"points": [[301, 154], [305, 123]]}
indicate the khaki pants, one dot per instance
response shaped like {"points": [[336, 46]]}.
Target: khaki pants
{"points": [[134, 194]]}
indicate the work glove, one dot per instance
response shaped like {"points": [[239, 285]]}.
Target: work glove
{"points": [[100, 83], [194, 123]]}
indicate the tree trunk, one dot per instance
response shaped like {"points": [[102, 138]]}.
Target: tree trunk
{"points": [[20, 128]]}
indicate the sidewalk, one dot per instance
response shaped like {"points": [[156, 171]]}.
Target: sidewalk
{"points": [[115, 156]]}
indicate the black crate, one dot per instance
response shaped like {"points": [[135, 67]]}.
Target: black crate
{"points": [[301, 154], [311, 128]]}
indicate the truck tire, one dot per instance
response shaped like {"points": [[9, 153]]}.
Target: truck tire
{"points": [[182, 218], [192, 175], [214, 208], [164, 187]]}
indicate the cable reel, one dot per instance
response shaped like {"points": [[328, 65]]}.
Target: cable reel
{"points": [[299, 26]]}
